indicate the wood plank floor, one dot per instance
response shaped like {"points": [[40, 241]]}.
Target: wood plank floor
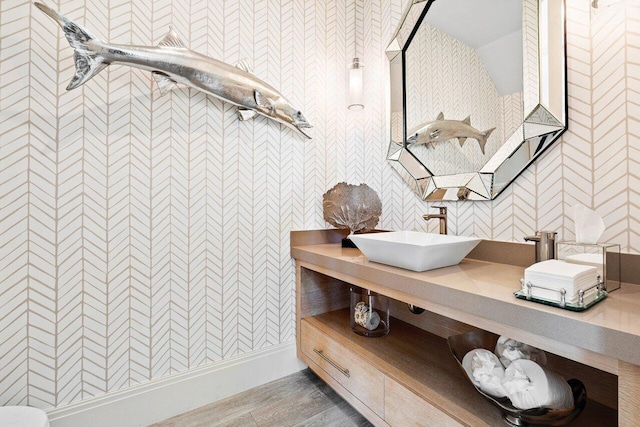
{"points": [[301, 399]]}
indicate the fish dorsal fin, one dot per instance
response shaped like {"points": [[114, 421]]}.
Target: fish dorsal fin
{"points": [[244, 65], [440, 116], [172, 40], [165, 83], [262, 100], [467, 121]]}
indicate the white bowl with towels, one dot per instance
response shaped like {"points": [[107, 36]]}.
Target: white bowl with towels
{"points": [[469, 342], [516, 371]]}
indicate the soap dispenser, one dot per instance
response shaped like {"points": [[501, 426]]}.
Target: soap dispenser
{"points": [[545, 244]]}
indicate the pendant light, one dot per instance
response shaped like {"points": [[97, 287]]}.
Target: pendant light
{"points": [[356, 101]]}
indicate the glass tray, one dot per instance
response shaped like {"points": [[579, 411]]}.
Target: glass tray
{"points": [[567, 306]]}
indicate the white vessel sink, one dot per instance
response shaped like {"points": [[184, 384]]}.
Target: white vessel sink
{"points": [[414, 250]]}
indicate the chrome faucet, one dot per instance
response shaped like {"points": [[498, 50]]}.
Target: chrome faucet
{"points": [[442, 216], [545, 244]]}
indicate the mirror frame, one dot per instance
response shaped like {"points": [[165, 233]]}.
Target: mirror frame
{"points": [[539, 130]]}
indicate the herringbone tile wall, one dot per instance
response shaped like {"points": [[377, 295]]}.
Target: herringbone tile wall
{"points": [[145, 235]]}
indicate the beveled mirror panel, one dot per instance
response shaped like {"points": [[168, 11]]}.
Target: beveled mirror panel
{"points": [[478, 91]]}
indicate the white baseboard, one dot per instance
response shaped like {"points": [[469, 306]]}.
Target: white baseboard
{"points": [[160, 399]]}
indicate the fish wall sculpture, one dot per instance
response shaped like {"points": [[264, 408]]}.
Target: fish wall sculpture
{"points": [[444, 130], [171, 62]]}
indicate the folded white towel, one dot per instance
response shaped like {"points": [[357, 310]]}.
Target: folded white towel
{"points": [[508, 350], [592, 260], [559, 269], [485, 371], [528, 386], [557, 275]]}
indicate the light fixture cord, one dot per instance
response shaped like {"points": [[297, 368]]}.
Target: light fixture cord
{"points": [[355, 29]]}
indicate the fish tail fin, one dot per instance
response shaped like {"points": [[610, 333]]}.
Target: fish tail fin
{"points": [[483, 139], [88, 62]]}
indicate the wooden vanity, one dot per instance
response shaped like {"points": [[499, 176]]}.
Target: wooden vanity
{"points": [[409, 377]]}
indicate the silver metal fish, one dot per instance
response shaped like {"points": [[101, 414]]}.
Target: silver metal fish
{"points": [[444, 130], [171, 62]]}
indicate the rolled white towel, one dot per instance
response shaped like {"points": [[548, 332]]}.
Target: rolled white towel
{"points": [[529, 385], [365, 317], [485, 371], [508, 350]]}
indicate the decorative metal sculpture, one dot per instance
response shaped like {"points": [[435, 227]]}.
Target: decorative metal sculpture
{"points": [[171, 63], [444, 130], [356, 207]]}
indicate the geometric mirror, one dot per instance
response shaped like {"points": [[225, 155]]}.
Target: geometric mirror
{"points": [[478, 92]]}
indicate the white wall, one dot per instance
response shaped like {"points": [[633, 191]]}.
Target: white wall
{"points": [[143, 236]]}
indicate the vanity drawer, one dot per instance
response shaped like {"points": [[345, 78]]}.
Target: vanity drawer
{"points": [[345, 366], [402, 408]]}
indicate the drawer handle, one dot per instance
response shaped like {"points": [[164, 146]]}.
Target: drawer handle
{"points": [[343, 371]]}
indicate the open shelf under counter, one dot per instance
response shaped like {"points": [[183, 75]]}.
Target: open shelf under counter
{"points": [[598, 347], [421, 363], [481, 293]]}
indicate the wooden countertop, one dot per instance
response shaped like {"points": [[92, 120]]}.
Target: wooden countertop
{"points": [[481, 293]]}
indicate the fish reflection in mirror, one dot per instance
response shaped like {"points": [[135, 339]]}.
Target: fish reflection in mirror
{"points": [[439, 130], [171, 62]]}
